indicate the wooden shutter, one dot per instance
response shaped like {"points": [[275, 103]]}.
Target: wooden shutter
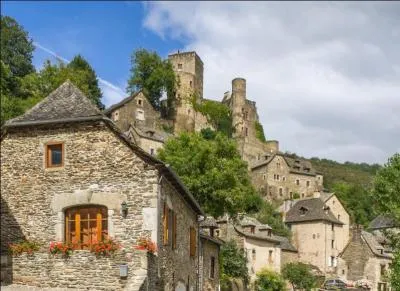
{"points": [[174, 230], [99, 226], [192, 241], [78, 227], [165, 223]]}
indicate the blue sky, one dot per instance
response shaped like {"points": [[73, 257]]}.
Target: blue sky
{"points": [[105, 33], [325, 75]]}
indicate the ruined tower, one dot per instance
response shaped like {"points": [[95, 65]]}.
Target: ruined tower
{"points": [[188, 68]]}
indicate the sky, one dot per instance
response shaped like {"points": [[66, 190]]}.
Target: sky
{"points": [[325, 75]]}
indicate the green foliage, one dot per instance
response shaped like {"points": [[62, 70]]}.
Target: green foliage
{"points": [[268, 280], [168, 128], [233, 262], [299, 275], [16, 47], [268, 215], [213, 171], [357, 202], [296, 195], [386, 197], [217, 114], [259, 131], [348, 172], [152, 75]]}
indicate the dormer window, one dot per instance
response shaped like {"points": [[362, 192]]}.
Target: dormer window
{"points": [[303, 210], [252, 229], [269, 232]]}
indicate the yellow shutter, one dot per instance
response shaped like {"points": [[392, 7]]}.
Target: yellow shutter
{"points": [[174, 232], [99, 226], [78, 227], [165, 223]]}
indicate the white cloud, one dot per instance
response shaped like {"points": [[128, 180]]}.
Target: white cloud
{"points": [[325, 75]]}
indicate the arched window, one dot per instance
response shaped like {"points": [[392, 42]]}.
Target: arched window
{"points": [[86, 225]]}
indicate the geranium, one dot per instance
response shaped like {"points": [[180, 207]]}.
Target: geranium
{"points": [[105, 247], [62, 248], [28, 247], [145, 243]]}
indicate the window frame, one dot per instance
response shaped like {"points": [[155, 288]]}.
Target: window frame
{"points": [[102, 229], [212, 267], [48, 163]]}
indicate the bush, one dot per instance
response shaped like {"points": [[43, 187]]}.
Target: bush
{"points": [[299, 275], [21, 247], [268, 280]]}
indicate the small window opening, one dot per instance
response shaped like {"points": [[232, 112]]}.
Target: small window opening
{"points": [[54, 155]]}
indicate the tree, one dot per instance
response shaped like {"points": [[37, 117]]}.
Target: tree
{"points": [[387, 200], [213, 171], [299, 275], [16, 47], [233, 262], [78, 63], [268, 280], [152, 75], [268, 215]]}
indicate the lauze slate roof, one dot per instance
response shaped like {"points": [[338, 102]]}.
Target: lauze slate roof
{"points": [[312, 209], [383, 221], [65, 102]]}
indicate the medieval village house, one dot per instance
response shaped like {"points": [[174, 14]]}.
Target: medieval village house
{"points": [[69, 175]]}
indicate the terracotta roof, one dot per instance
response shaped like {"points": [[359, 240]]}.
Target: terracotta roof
{"points": [[383, 221], [65, 102], [63, 111], [312, 209]]}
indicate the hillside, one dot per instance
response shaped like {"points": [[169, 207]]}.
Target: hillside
{"points": [[348, 172]]}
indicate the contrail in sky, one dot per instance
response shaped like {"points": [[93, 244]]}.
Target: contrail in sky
{"points": [[54, 54]]}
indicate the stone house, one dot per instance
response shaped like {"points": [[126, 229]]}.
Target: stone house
{"points": [[320, 228], [365, 258], [278, 176], [209, 255], [263, 249], [69, 174]]}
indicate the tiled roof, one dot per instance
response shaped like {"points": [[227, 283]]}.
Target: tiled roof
{"points": [[382, 221], [209, 222], [296, 165], [312, 209], [65, 102], [213, 239], [257, 235], [68, 104], [374, 245], [248, 221], [285, 243], [122, 102], [151, 133]]}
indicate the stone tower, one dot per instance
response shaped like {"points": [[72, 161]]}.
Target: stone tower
{"points": [[238, 107], [188, 68]]}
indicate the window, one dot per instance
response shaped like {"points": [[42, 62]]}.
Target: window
{"points": [[277, 177], [333, 227], [246, 131], [313, 236], [338, 217], [264, 176], [253, 253], [302, 195], [140, 114], [283, 178], [274, 176], [192, 235], [280, 191], [140, 102], [332, 262], [179, 66], [151, 151], [332, 244], [217, 232], [54, 155], [115, 115], [270, 256], [297, 182], [191, 84], [308, 183], [85, 225], [169, 226], [269, 232], [252, 229], [212, 267]]}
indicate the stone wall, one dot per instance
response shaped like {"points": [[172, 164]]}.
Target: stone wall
{"points": [[275, 181], [176, 265], [288, 257], [129, 113], [99, 169], [209, 249]]}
